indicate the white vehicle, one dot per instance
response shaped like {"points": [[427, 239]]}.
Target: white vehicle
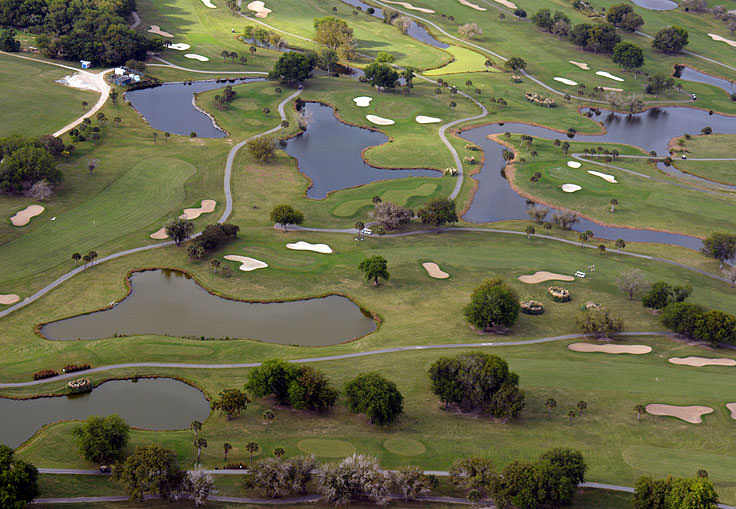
{"points": [[366, 231]]}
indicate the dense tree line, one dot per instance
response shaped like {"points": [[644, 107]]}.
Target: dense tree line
{"points": [[25, 161], [212, 237], [302, 387], [18, 480], [695, 322], [675, 492]]}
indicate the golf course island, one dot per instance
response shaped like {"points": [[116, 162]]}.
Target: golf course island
{"points": [[317, 253]]}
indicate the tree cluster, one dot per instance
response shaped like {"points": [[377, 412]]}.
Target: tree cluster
{"points": [[600, 322], [695, 322], [375, 396], [8, 42], [25, 161], [18, 480], [623, 16], [212, 237], [438, 212], [264, 37], [675, 492], [381, 75], [721, 246], [302, 387], [670, 39], [492, 304], [103, 439], [274, 478], [292, 68], [661, 294], [391, 216]]}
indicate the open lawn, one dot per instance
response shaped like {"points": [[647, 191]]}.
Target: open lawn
{"points": [[703, 147], [464, 60]]}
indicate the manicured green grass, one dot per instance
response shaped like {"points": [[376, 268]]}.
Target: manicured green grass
{"points": [[46, 106], [465, 60], [711, 146], [393, 195]]}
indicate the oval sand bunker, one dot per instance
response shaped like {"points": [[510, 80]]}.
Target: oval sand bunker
{"points": [[22, 217], [206, 207], [691, 414], [194, 56], [246, 263], [362, 101], [542, 275], [261, 10], [604, 176], [421, 119], [571, 188], [699, 362], [732, 408], [9, 298], [379, 120], [614, 349], [573, 164], [159, 234], [306, 246], [565, 81], [434, 270]]}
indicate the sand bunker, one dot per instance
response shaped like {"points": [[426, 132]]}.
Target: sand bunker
{"points": [[604, 176], [699, 362], [691, 414], [732, 408], [179, 46], [407, 5], [306, 246], [613, 89], [155, 29], [608, 75], [582, 65], [434, 270], [205, 207], [473, 6], [573, 164], [362, 101], [570, 188], [614, 349], [247, 264], [722, 39], [565, 81], [427, 120], [542, 275], [159, 234], [22, 217], [506, 3], [209, 4], [8, 298], [194, 56], [379, 120], [260, 8]]}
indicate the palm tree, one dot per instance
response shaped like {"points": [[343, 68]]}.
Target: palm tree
{"points": [[583, 238], [640, 410], [529, 232], [268, 417], [488, 64], [224, 54], [252, 50], [602, 248], [233, 56], [76, 257], [550, 404], [468, 83], [84, 105], [167, 135], [114, 96], [199, 443], [284, 125], [226, 449], [620, 244], [613, 204], [571, 416], [453, 105], [215, 264], [278, 452], [252, 448], [117, 121], [582, 405], [196, 426]]}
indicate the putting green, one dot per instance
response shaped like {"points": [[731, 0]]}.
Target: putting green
{"points": [[399, 196], [326, 448], [404, 446], [465, 61]]}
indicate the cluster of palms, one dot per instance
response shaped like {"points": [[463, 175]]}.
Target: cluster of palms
{"points": [[233, 55], [87, 259], [551, 404]]}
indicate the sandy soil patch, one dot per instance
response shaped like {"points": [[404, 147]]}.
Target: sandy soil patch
{"points": [[427, 120], [179, 46], [565, 81], [542, 275], [582, 65], [691, 414], [472, 6], [9, 298], [699, 362], [407, 5], [205, 207], [570, 188], [613, 89], [82, 81], [22, 217], [159, 234], [506, 3], [604, 176], [155, 29], [719, 38], [434, 270], [194, 56], [614, 349], [246, 263], [573, 164], [261, 10], [379, 120], [732, 408], [363, 101], [209, 4], [608, 75], [306, 246]]}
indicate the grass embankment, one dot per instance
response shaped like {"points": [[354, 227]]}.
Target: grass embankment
{"points": [[711, 146]]}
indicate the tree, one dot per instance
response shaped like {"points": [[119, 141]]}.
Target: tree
{"points": [[438, 212], [18, 480], [581, 406], [411, 483], [492, 304], [336, 34], [311, 390], [624, 17], [670, 39], [226, 448], [274, 478], [691, 493], [76, 257], [286, 215], [8, 41], [252, 448], [292, 68], [327, 59], [721, 246], [569, 461], [102, 439], [268, 417], [151, 469], [474, 473], [381, 75], [195, 426], [469, 30], [659, 83], [550, 404], [384, 57], [515, 64], [199, 486], [631, 281], [681, 317], [272, 377], [600, 322], [199, 444], [25, 165], [374, 268], [354, 477], [628, 55], [640, 410], [179, 230], [375, 396], [716, 327], [231, 402], [390, 215], [530, 231], [262, 148]]}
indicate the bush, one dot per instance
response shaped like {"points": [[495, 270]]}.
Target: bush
{"points": [[44, 373], [212, 237], [275, 478], [474, 473], [492, 304], [79, 386], [71, 368], [716, 327], [559, 294], [375, 396], [262, 148], [600, 322], [680, 317], [302, 387], [661, 294], [532, 307], [356, 477]]}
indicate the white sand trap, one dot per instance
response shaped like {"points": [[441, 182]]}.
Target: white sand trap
{"points": [[306, 246], [155, 29], [732, 408], [194, 56], [571, 188], [604, 176], [22, 217], [722, 39], [379, 120], [261, 10], [159, 234], [363, 101], [542, 275], [206, 206], [407, 5], [427, 120], [573, 164], [613, 89], [8, 298], [691, 414], [179, 46], [209, 4], [699, 362], [614, 349], [247, 264], [472, 6], [434, 270], [608, 75], [582, 65], [565, 81], [506, 3]]}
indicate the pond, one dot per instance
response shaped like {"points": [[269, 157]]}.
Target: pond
{"points": [[656, 5], [329, 152], [156, 404], [171, 303], [690, 74]]}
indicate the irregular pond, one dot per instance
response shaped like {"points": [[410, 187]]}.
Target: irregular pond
{"points": [[170, 107], [656, 5], [171, 303], [160, 403], [329, 152], [690, 74]]}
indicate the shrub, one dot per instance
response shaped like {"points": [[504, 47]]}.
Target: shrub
{"points": [[44, 373], [79, 385], [680, 317], [532, 307], [71, 368], [275, 478], [716, 327], [600, 322], [559, 294], [661, 294], [354, 478]]}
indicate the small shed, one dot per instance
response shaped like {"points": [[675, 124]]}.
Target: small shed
{"points": [[119, 71], [85, 64]]}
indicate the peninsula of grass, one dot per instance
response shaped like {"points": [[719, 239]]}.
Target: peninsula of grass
{"points": [[716, 146]]}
